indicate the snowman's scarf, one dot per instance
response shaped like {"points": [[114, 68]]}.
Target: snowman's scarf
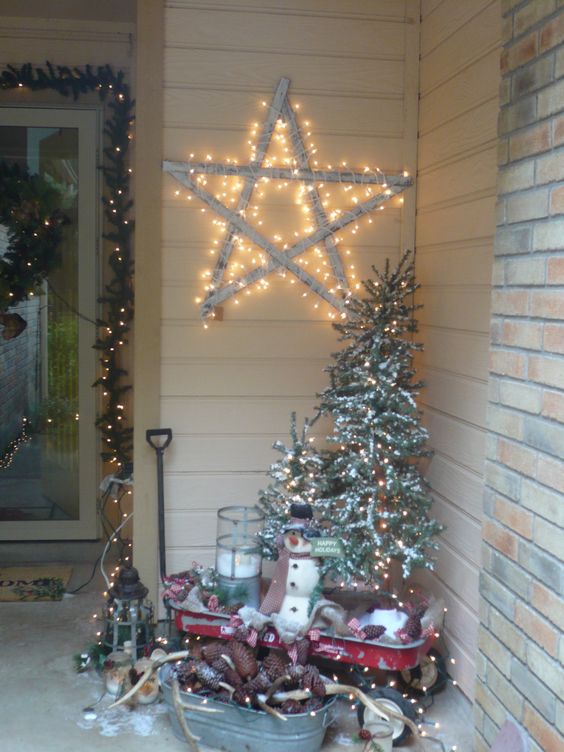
{"points": [[272, 602]]}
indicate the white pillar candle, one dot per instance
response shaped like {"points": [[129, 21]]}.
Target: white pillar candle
{"points": [[237, 564]]}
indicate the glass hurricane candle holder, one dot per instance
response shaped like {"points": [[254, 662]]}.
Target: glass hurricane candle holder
{"points": [[238, 553]]}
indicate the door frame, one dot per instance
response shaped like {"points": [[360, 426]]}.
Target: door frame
{"points": [[88, 120]]}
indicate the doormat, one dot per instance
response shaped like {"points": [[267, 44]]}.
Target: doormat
{"points": [[41, 583]]}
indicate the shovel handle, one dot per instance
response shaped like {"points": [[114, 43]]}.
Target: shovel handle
{"points": [[153, 432]]}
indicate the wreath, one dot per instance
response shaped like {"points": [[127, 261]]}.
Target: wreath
{"points": [[34, 225]]}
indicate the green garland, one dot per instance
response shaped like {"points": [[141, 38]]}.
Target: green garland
{"points": [[117, 297]]}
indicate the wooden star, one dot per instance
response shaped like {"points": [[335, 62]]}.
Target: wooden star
{"points": [[237, 226]]}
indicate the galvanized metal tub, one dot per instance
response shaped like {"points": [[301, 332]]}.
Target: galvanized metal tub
{"points": [[239, 729]]}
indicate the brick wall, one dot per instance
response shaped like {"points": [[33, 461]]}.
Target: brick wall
{"points": [[521, 646]]}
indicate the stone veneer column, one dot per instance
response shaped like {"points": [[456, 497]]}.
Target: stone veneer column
{"points": [[521, 647]]}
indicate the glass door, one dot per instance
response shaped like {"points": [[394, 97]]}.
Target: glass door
{"points": [[48, 486]]}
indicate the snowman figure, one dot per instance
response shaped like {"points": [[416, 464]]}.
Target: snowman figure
{"points": [[296, 574]]}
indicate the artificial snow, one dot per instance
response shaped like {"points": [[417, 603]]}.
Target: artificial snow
{"points": [[389, 618]]}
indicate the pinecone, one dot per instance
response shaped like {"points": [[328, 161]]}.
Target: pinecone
{"points": [[373, 631], [241, 633], [312, 705], [208, 676], [213, 651], [221, 665], [302, 649], [311, 672], [232, 677], [261, 682], [244, 695], [413, 626], [244, 660], [233, 608], [296, 674], [291, 707], [318, 687], [275, 665], [185, 673], [313, 681]]}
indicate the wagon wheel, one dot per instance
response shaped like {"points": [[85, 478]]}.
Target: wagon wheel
{"points": [[397, 703], [429, 677]]}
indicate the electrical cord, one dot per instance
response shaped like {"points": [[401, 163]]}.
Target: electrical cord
{"points": [[111, 534], [89, 580]]}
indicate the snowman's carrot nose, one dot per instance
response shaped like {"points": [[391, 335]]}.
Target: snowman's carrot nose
{"points": [[294, 540]]}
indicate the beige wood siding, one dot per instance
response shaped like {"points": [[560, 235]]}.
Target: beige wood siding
{"points": [[65, 41], [227, 392], [459, 78]]}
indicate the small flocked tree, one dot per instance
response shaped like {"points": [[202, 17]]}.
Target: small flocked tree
{"points": [[297, 477], [375, 499]]}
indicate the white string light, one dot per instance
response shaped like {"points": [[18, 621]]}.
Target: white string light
{"points": [[240, 222]]}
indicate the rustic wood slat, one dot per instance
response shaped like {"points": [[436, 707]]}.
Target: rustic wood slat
{"points": [[281, 259], [250, 181], [302, 173]]}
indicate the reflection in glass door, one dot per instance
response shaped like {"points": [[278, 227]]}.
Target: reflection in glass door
{"points": [[46, 373]]}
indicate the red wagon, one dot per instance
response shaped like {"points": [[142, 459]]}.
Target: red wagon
{"points": [[348, 650], [343, 649]]}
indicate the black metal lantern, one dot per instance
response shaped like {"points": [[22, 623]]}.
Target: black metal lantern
{"points": [[128, 615]]}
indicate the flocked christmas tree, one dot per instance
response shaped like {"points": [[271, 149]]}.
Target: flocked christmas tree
{"points": [[297, 478], [377, 501], [366, 489]]}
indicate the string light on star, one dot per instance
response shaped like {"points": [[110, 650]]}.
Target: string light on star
{"points": [[244, 254]]}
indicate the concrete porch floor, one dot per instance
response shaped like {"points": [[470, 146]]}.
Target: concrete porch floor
{"points": [[43, 697]]}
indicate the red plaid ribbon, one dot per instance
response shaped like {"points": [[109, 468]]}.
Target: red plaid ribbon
{"points": [[213, 603], [235, 621], [355, 628], [314, 635], [293, 653]]}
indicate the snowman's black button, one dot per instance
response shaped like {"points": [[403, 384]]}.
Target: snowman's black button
{"points": [[294, 566], [292, 584], [293, 609]]}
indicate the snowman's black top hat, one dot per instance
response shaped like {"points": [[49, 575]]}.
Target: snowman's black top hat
{"points": [[301, 518]]}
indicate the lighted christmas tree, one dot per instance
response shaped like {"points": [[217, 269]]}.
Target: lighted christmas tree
{"points": [[374, 497], [297, 478], [366, 489]]}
